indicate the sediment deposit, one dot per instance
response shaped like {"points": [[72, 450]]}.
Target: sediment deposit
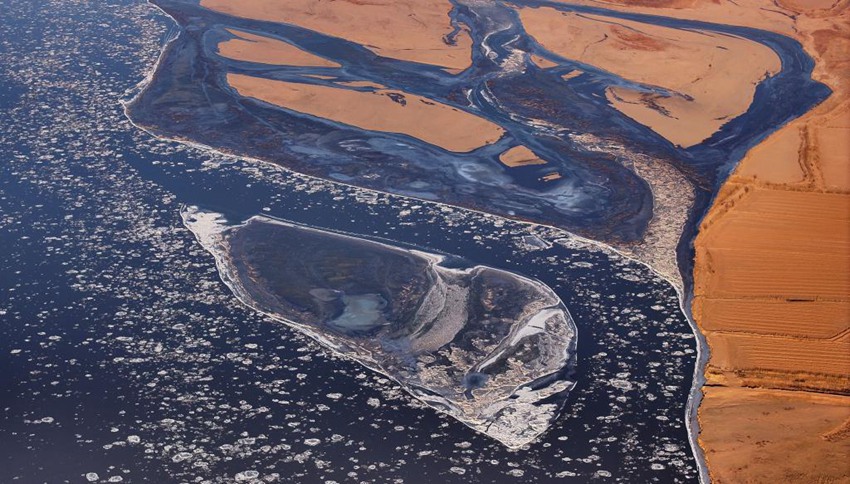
{"points": [[390, 28]]}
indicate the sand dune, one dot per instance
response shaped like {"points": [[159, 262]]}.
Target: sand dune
{"points": [[385, 110]]}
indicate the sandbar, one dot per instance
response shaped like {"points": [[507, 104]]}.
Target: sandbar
{"points": [[385, 110], [410, 30], [712, 77], [488, 347], [267, 50], [543, 62], [520, 156]]}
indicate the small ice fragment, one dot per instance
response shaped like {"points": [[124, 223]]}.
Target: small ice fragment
{"points": [[180, 457], [247, 476]]}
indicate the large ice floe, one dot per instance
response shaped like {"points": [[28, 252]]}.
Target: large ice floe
{"points": [[491, 348]]}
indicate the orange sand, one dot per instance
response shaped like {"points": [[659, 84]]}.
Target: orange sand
{"points": [[411, 30], [719, 72], [543, 62], [266, 50], [810, 151], [430, 121], [520, 156], [369, 84], [778, 158], [571, 74], [761, 14], [766, 361], [772, 286]]}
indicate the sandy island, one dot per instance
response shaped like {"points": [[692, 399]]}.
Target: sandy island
{"points": [[267, 50], [520, 156], [410, 30], [379, 109], [713, 76]]}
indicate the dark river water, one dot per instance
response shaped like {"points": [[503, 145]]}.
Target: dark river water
{"points": [[123, 357]]}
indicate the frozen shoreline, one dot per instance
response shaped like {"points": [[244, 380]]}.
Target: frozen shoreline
{"points": [[516, 418], [690, 420]]}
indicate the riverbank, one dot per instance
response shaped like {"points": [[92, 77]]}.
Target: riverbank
{"points": [[772, 277], [771, 274]]}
